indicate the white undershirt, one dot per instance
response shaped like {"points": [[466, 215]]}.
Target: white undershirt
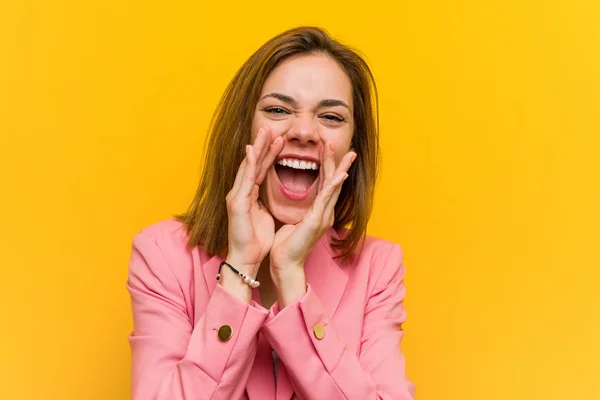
{"points": [[275, 362]]}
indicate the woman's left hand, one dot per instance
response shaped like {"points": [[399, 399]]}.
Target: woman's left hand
{"points": [[293, 243]]}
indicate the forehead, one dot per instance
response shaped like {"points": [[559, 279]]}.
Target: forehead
{"points": [[310, 79]]}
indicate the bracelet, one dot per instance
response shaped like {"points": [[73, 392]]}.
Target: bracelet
{"points": [[252, 282]]}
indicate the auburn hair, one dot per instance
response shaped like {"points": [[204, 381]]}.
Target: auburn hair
{"points": [[206, 219]]}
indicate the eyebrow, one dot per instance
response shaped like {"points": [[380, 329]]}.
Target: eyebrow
{"points": [[294, 103]]}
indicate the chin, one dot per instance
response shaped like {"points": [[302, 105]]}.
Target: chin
{"points": [[286, 212], [287, 215]]}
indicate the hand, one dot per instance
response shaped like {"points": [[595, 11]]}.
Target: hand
{"points": [[293, 243], [251, 227]]}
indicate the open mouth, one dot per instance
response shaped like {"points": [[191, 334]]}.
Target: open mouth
{"points": [[296, 176]]}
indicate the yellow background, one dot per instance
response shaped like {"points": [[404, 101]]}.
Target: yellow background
{"points": [[490, 117]]}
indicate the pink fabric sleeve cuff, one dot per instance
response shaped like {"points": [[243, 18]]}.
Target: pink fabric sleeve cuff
{"points": [[282, 328], [245, 320]]}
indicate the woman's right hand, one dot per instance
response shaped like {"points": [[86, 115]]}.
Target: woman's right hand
{"points": [[251, 227]]}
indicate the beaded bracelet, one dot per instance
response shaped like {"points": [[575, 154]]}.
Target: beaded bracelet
{"points": [[252, 282]]}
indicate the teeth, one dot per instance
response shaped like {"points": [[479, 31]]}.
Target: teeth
{"points": [[298, 164]]}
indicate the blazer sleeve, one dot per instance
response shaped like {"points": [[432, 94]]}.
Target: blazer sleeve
{"points": [[325, 368], [171, 358]]}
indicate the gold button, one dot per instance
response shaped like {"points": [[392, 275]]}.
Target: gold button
{"points": [[224, 333], [319, 330]]}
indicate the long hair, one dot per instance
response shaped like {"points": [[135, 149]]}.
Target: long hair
{"points": [[206, 219]]}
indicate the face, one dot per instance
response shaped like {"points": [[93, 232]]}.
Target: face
{"points": [[307, 100]]}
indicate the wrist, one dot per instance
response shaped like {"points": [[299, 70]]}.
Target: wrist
{"points": [[247, 269], [235, 285], [287, 275], [290, 284]]}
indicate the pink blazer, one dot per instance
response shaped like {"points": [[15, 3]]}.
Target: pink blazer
{"points": [[178, 308]]}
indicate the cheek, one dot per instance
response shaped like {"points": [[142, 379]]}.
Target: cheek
{"points": [[255, 127], [277, 128], [339, 154], [342, 144]]}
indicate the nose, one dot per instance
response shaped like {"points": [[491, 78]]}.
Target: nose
{"points": [[303, 130]]}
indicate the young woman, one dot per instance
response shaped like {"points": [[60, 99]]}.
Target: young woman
{"points": [[268, 287]]}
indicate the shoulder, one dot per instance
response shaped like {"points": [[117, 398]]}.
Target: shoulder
{"points": [[162, 248], [385, 258], [168, 233], [380, 249], [162, 265], [385, 262]]}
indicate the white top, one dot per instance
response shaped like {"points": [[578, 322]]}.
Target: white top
{"points": [[275, 362]]}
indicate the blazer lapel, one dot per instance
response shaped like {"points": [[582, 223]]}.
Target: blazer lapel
{"points": [[205, 278], [328, 279], [324, 273]]}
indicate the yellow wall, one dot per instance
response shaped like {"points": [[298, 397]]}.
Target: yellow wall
{"points": [[490, 118]]}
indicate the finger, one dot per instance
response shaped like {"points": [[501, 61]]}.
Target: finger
{"points": [[240, 174], [313, 222], [249, 177], [346, 162], [343, 167], [327, 193], [262, 145], [274, 150], [321, 169], [330, 206], [328, 160], [254, 194], [259, 141]]}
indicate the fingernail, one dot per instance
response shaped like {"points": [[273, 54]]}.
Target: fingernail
{"points": [[353, 157], [277, 140], [345, 176], [331, 145], [247, 148]]}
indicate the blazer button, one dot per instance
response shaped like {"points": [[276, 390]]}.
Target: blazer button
{"points": [[224, 333], [319, 330]]}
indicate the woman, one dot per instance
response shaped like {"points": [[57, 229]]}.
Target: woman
{"points": [[259, 291]]}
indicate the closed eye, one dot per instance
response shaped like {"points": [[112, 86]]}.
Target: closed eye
{"points": [[331, 117], [283, 111], [277, 110]]}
